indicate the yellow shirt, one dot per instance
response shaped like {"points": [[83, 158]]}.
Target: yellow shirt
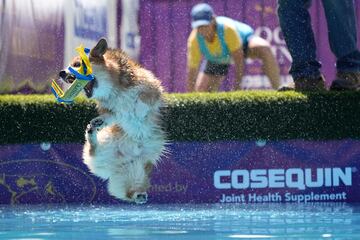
{"points": [[232, 40]]}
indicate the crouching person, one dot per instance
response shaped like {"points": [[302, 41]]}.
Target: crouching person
{"points": [[222, 41]]}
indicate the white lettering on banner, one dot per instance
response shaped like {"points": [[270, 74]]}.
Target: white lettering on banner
{"points": [[276, 178], [277, 36], [319, 178], [282, 54], [278, 45], [270, 197], [262, 81], [217, 179], [170, 187], [281, 178], [270, 35], [280, 51], [259, 179], [245, 183], [287, 197], [295, 178], [312, 197], [327, 177], [233, 198]]}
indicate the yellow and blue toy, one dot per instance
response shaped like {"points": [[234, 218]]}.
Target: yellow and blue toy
{"points": [[83, 75]]}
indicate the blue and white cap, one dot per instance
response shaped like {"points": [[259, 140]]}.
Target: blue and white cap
{"points": [[201, 14]]}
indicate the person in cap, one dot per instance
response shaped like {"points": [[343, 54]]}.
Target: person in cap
{"points": [[222, 41]]}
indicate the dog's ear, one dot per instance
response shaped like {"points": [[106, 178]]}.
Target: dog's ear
{"points": [[100, 48]]}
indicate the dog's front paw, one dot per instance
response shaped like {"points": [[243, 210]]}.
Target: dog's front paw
{"points": [[97, 122], [94, 125], [89, 129]]}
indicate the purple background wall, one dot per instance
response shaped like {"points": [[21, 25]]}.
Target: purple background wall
{"points": [[34, 39], [31, 45], [165, 26]]}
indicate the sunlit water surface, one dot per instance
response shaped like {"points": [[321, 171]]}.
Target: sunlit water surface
{"points": [[309, 221]]}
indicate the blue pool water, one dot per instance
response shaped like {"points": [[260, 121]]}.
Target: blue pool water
{"points": [[281, 221]]}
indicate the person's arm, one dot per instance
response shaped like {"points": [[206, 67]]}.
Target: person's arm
{"points": [[234, 43], [238, 57], [193, 61], [191, 79]]}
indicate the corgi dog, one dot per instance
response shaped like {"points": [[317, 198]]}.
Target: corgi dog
{"points": [[126, 140]]}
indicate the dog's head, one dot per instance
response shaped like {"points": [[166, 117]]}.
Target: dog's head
{"points": [[132, 182], [105, 70]]}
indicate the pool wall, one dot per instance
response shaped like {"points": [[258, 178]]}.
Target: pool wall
{"points": [[193, 172]]}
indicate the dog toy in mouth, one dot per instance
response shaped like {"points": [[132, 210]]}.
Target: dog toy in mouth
{"points": [[83, 75]]}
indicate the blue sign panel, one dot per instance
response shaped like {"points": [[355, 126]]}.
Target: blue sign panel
{"points": [[90, 19]]}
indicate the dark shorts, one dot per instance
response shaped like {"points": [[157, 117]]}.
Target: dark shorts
{"points": [[217, 69]]}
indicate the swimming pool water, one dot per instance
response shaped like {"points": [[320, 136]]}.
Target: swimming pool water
{"points": [[214, 221]]}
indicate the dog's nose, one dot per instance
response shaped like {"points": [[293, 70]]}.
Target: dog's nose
{"points": [[141, 198], [62, 74]]}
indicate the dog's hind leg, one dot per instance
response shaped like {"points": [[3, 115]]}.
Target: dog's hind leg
{"points": [[91, 141]]}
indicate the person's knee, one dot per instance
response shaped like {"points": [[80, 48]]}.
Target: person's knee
{"points": [[201, 87], [255, 42], [202, 83], [263, 52]]}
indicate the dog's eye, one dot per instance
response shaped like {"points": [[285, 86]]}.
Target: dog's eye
{"points": [[76, 64]]}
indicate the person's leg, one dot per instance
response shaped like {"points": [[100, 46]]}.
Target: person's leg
{"points": [[295, 24], [210, 78], [217, 73], [207, 82], [341, 21], [259, 48]]}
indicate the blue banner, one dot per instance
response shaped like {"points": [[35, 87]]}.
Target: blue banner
{"points": [[90, 20]]}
